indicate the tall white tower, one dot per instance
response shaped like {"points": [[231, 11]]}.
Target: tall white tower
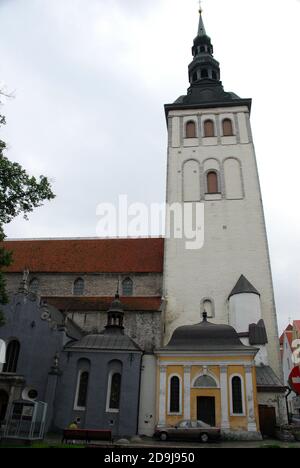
{"points": [[211, 159]]}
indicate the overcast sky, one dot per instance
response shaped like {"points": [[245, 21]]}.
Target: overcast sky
{"points": [[90, 78]]}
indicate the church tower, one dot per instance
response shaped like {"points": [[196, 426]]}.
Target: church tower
{"points": [[211, 160]]}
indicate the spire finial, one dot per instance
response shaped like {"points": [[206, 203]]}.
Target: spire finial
{"points": [[201, 28], [200, 7]]}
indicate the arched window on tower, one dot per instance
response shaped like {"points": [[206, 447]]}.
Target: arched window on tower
{"points": [[214, 75], [195, 77], [209, 128], [202, 49], [237, 395], [227, 127], [212, 183], [78, 287], [190, 129], [174, 395], [12, 357], [204, 73], [127, 287], [207, 306]]}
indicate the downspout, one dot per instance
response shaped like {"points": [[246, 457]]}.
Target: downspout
{"points": [[139, 397], [287, 405]]}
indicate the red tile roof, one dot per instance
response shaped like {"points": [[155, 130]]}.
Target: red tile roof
{"points": [[289, 336], [87, 255], [90, 304], [288, 328], [296, 324]]}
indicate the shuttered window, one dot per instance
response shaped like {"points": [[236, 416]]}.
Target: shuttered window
{"points": [[212, 183], [209, 128], [191, 130], [227, 127]]}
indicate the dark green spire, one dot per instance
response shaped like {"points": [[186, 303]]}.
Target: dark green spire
{"points": [[203, 67], [201, 28]]}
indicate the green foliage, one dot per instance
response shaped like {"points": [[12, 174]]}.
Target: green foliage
{"points": [[19, 194]]}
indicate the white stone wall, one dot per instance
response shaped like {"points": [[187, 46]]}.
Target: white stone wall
{"points": [[235, 233]]}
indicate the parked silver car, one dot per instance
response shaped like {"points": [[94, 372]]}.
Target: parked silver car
{"points": [[188, 430]]}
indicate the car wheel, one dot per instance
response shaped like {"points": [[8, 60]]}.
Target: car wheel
{"points": [[204, 438], [163, 436]]}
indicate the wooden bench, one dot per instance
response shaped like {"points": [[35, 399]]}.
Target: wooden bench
{"points": [[87, 435]]}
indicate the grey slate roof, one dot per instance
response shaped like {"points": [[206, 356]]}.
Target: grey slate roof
{"points": [[267, 380], [206, 336], [105, 342], [243, 286], [258, 333]]}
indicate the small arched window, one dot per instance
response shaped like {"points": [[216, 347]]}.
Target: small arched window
{"points": [[82, 390], [191, 130], [12, 356], [127, 287], [209, 128], [175, 395], [208, 307], [204, 73], [237, 395], [202, 49], [212, 183], [78, 288], [214, 75], [34, 286], [227, 127], [195, 77], [115, 391]]}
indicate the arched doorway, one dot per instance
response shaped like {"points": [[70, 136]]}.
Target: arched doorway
{"points": [[3, 404]]}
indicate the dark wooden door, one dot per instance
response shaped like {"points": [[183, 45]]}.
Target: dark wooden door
{"points": [[3, 404], [267, 420], [206, 410]]}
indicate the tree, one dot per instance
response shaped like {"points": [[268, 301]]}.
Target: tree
{"points": [[19, 194]]}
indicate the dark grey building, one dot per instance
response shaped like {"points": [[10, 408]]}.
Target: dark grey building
{"points": [[94, 379]]}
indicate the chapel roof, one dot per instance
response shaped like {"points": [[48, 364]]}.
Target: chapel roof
{"points": [[206, 336]]}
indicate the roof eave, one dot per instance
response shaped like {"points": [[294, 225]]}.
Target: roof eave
{"points": [[208, 105]]}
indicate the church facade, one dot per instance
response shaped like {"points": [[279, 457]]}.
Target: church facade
{"points": [[224, 370]]}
